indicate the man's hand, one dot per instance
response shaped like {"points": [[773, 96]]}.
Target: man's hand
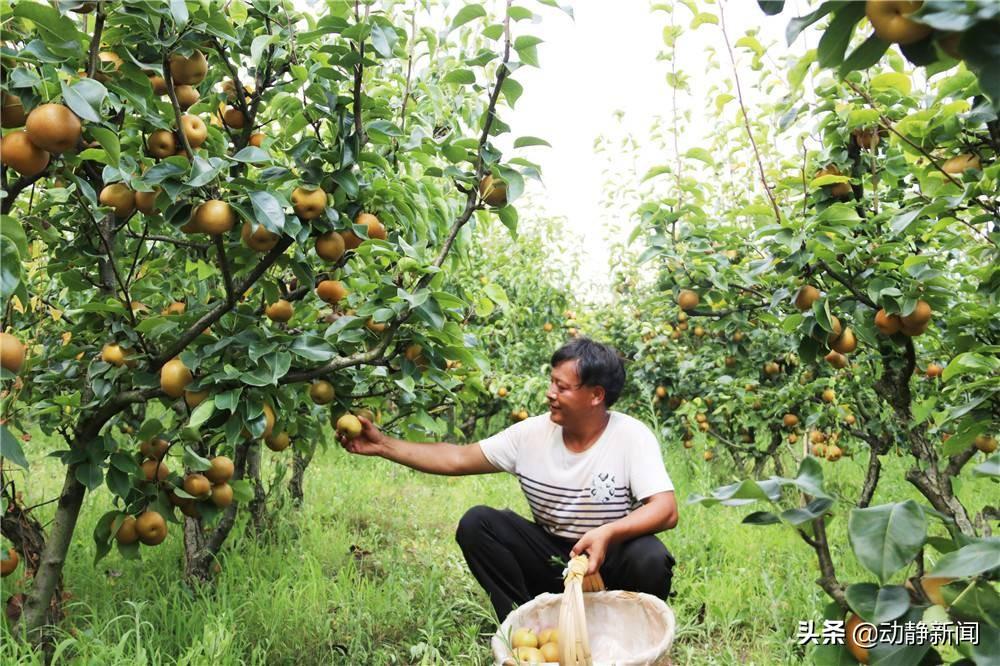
{"points": [[595, 543], [369, 443]]}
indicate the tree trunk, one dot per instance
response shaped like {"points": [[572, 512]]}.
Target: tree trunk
{"points": [[194, 543], [28, 537], [201, 550], [49, 573], [257, 507], [894, 388], [300, 461], [773, 453]]}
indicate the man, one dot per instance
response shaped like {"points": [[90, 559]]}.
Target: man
{"points": [[594, 479]]}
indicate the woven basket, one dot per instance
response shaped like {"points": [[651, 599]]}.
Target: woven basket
{"points": [[598, 628]]}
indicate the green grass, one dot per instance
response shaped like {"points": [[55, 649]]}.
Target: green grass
{"points": [[303, 597]]}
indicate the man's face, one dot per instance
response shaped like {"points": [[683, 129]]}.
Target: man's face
{"points": [[568, 398]]}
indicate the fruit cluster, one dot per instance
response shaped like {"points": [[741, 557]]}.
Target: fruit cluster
{"points": [[532, 648]]}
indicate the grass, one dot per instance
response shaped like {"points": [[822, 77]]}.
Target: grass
{"points": [[368, 572]]}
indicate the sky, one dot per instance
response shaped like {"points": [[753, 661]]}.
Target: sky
{"points": [[599, 73]]}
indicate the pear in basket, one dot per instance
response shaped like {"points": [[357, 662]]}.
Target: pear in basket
{"points": [[548, 635], [550, 652], [523, 637], [529, 655]]}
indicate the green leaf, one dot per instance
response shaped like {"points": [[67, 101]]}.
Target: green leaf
{"points": [[10, 448], [514, 180], [886, 538], [526, 51], [179, 12], [242, 491], [737, 494], [525, 141], [252, 155], [701, 154], [809, 478], [702, 18], [865, 55], [904, 653], [836, 37], [839, 213], [979, 601], [103, 534], [656, 171], [260, 43], [59, 33], [312, 347], [384, 39], [771, 7], [150, 429], [346, 180], [980, 48], [970, 362], [970, 560], [466, 14], [118, 482], [201, 413], [14, 232], [812, 511], [460, 76], [761, 518], [878, 604], [109, 141], [901, 221], [268, 211], [496, 294], [194, 461], [892, 80], [831, 655], [10, 268], [205, 171], [90, 474], [84, 98], [798, 24], [989, 468], [511, 90], [129, 551]]}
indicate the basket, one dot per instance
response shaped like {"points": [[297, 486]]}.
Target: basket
{"points": [[601, 628]]}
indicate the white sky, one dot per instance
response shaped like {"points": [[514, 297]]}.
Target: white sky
{"points": [[601, 62]]}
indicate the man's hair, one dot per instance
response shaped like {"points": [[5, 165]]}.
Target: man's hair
{"points": [[597, 364]]}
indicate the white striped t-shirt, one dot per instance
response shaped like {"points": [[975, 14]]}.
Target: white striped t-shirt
{"points": [[571, 493]]}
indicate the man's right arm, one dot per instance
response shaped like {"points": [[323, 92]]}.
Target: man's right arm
{"points": [[437, 458]]}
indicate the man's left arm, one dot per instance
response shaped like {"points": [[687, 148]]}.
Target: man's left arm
{"points": [[657, 513]]}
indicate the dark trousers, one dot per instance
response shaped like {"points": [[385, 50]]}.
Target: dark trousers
{"points": [[515, 559]]}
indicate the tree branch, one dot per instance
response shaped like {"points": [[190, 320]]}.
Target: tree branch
{"points": [[178, 114], [847, 283], [871, 478], [725, 313], [19, 186], [227, 276], [828, 581], [138, 251], [127, 299], [222, 307], [958, 461], [168, 239], [93, 59], [359, 70], [746, 118]]}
